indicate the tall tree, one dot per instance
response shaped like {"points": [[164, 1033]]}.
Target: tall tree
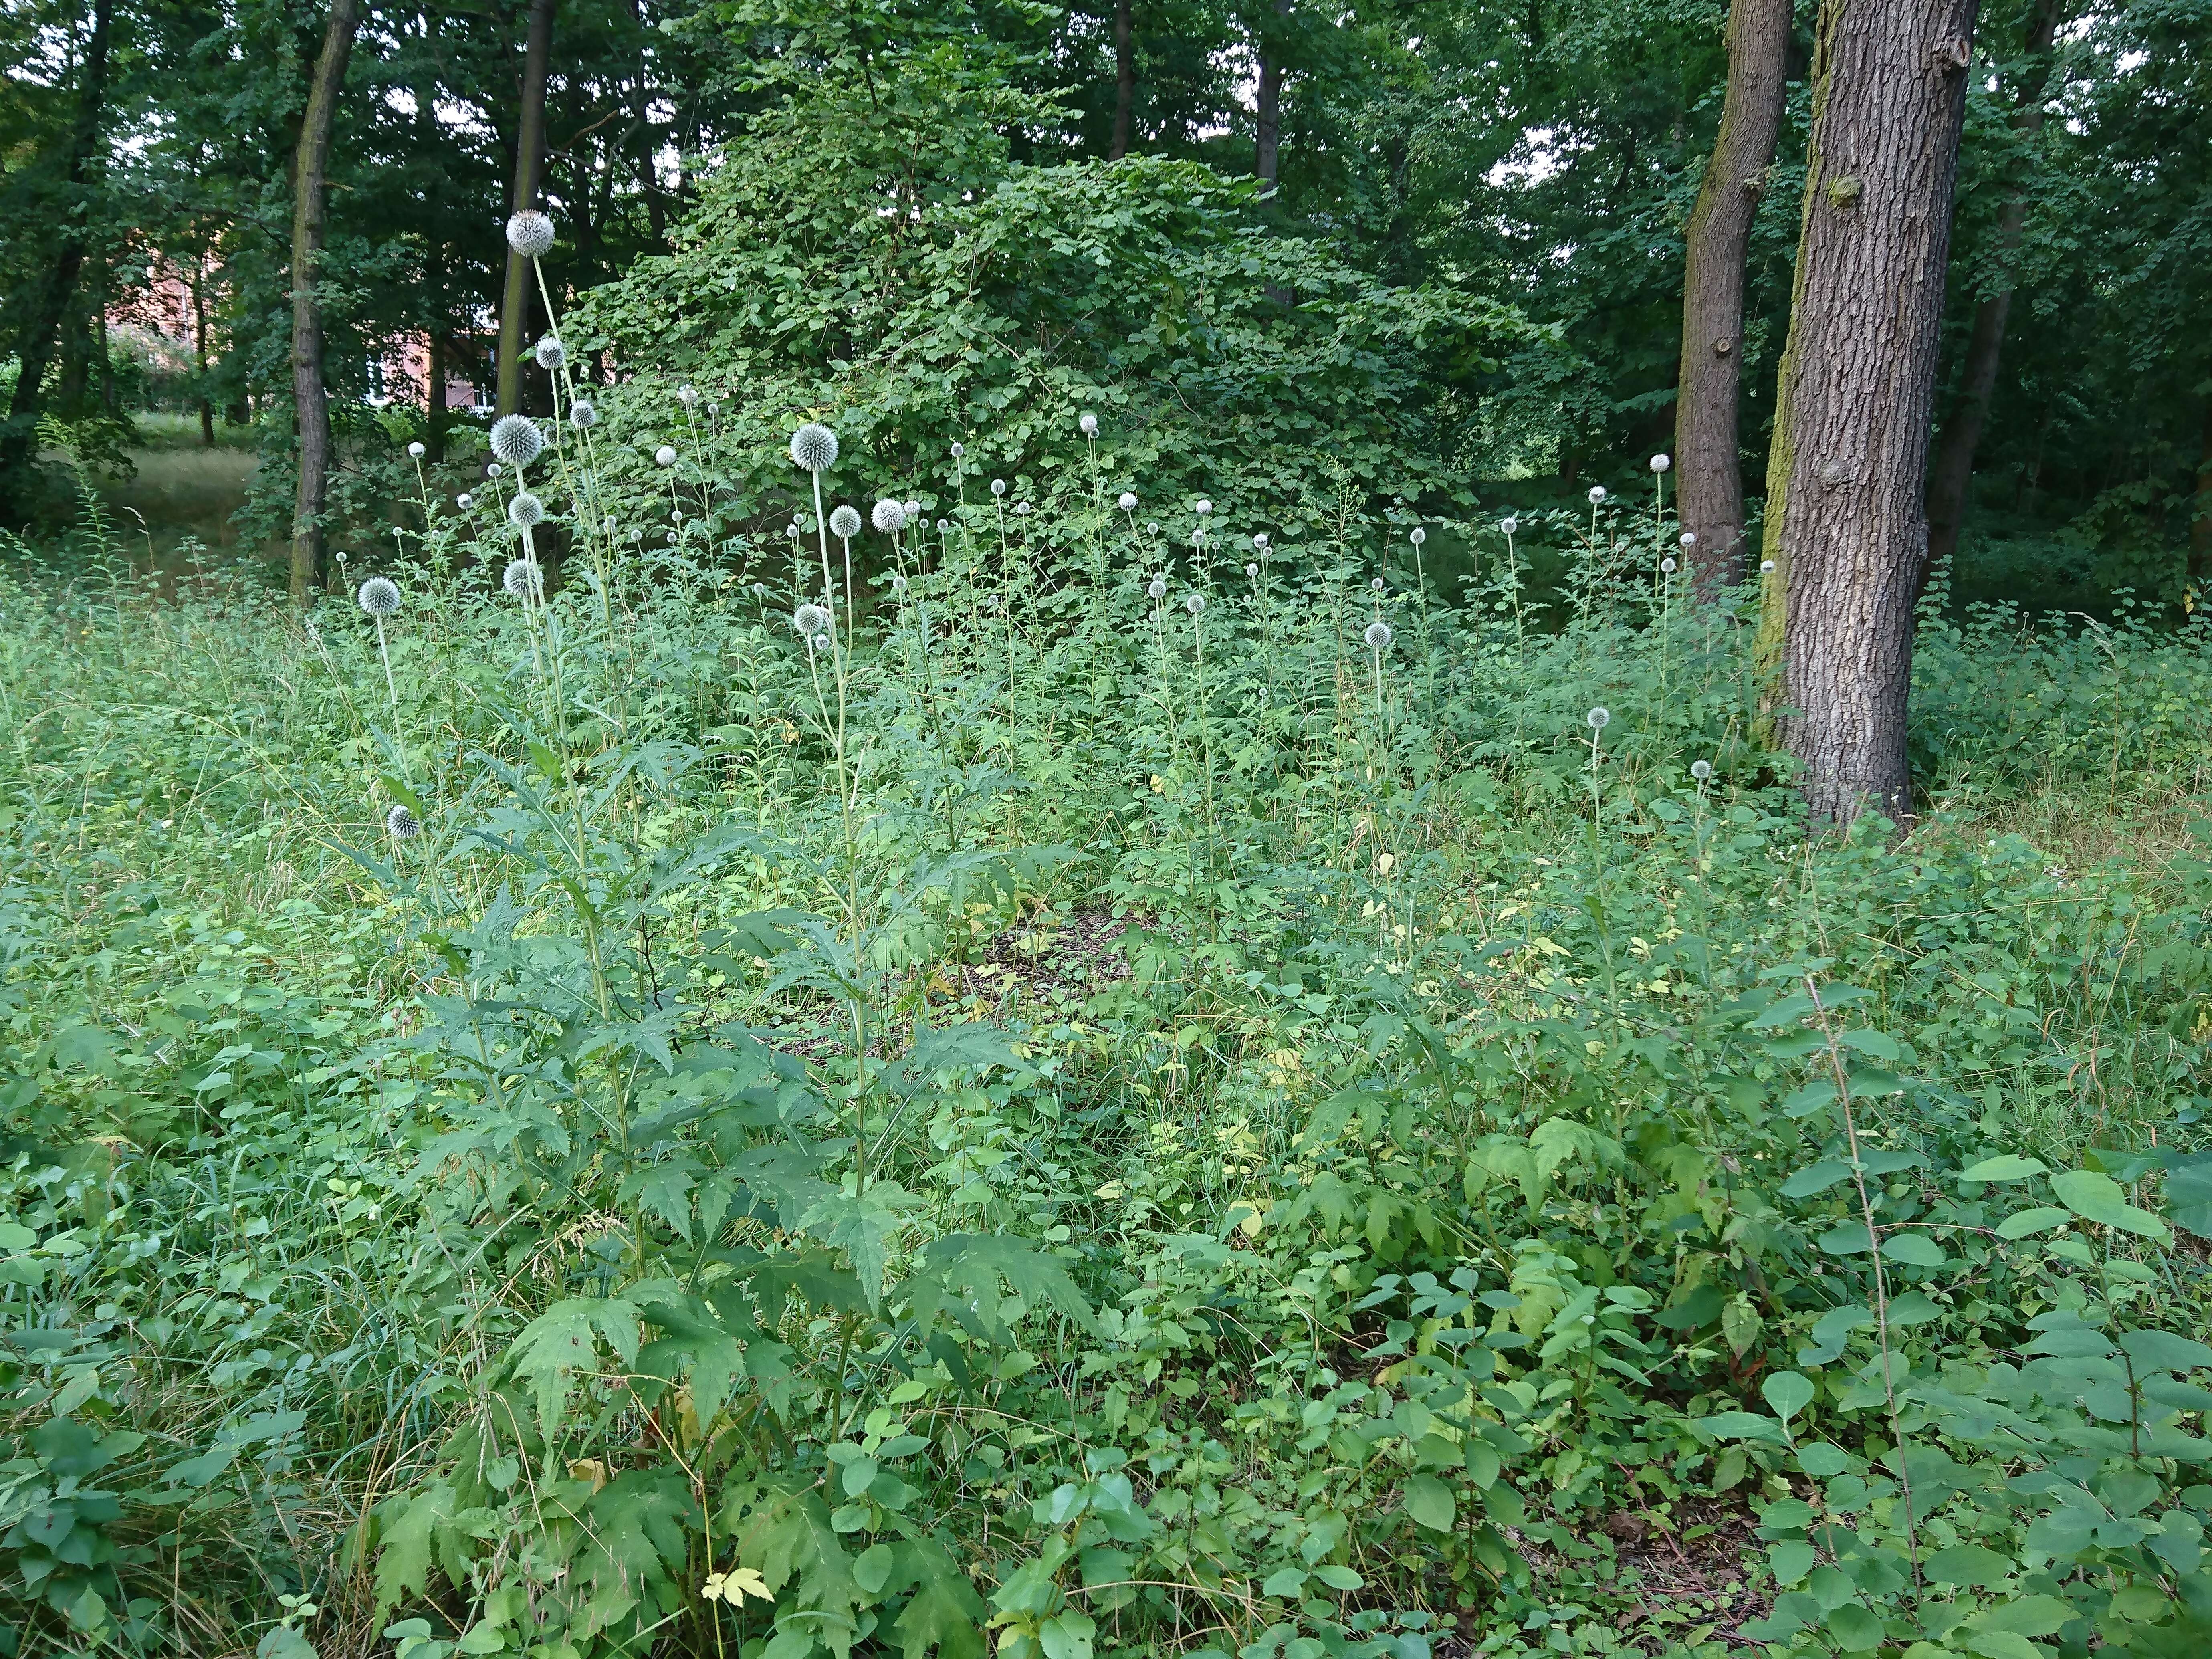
{"points": [[311, 399], [57, 285], [529, 163], [1125, 80], [1268, 126], [1707, 460], [1846, 524], [1954, 470]]}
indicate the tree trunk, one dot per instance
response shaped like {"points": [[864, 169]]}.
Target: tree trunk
{"points": [[1846, 524], [199, 347], [529, 162], [1952, 474], [309, 398], [1708, 467], [2200, 526], [51, 295], [1124, 81], [433, 260], [1267, 130]]}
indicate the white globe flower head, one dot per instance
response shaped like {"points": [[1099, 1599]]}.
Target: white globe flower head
{"points": [[1127, 501], [416, 450], [814, 448], [1701, 769], [1090, 425], [1688, 539], [402, 824], [529, 234], [810, 619], [1766, 566], [526, 510], [583, 415], [1598, 719], [888, 517], [760, 590], [1252, 571], [943, 525], [492, 469], [1419, 536], [1021, 509], [664, 456], [1195, 603], [1661, 463], [844, 521], [688, 396], [1203, 507], [522, 579], [998, 486], [379, 597], [958, 450], [913, 510], [898, 584], [1259, 539], [819, 642], [464, 501], [1509, 525], [1152, 529], [1597, 494], [1158, 587], [516, 440], [1375, 583], [1378, 635], [1667, 567], [551, 355]]}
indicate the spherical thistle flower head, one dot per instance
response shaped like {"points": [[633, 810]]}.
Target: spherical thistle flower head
{"points": [[1598, 718], [522, 579], [898, 584], [1597, 494], [1128, 502], [1766, 566], [1195, 603], [1253, 571], [1688, 539], [819, 642], [760, 590], [1021, 509], [888, 517], [1203, 507], [913, 511], [1509, 525], [402, 824], [943, 525], [526, 510], [551, 355], [998, 486], [492, 469], [583, 415], [416, 450], [1158, 587], [1419, 536], [814, 448], [1701, 769], [1259, 538], [516, 440], [379, 597], [1378, 635], [1667, 567], [1375, 583], [465, 501], [664, 456], [529, 234], [810, 619], [844, 521], [1090, 425], [958, 450], [1661, 463], [688, 396]]}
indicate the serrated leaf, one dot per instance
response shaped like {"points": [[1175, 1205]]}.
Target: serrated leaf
{"points": [[562, 1341]]}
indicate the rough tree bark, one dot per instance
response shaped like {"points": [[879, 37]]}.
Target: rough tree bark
{"points": [[2200, 526], [57, 285], [310, 164], [1952, 472], [529, 163], [1267, 129], [1846, 524], [1125, 80], [1708, 467]]}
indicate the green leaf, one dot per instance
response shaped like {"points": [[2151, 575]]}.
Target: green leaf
{"points": [[2029, 1615], [2189, 1196], [944, 1612], [561, 1341], [1429, 1501], [1969, 1564], [1338, 1577], [1820, 1459], [1792, 1561], [2007, 1166], [1788, 1393], [1738, 1425], [1855, 1627], [1285, 1583], [2098, 1198], [1915, 1249], [2022, 1222], [1816, 1178]]}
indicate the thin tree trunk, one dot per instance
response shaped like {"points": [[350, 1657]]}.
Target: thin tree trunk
{"points": [[1125, 80], [529, 163], [434, 268], [1846, 501], [50, 301], [2200, 527], [1708, 467], [1267, 130], [309, 398], [199, 347], [1952, 474]]}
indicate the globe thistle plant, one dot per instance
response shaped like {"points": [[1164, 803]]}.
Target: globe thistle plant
{"points": [[552, 356], [402, 824], [1090, 425], [1157, 588], [1701, 769], [522, 579], [1687, 539], [810, 620], [1377, 635], [583, 415], [1596, 494], [1195, 603], [526, 510], [664, 456], [1127, 501], [529, 234], [1598, 719], [844, 521], [1661, 463], [379, 598], [415, 451], [688, 396], [814, 448], [516, 440], [998, 487], [464, 501], [888, 516]]}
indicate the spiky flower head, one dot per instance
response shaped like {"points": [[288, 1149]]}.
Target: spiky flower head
{"points": [[1661, 463], [1766, 566], [551, 355], [1375, 583], [526, 510], [1701, 769], [688, 396], [1090, 425], [516, 440], [1597, 494], [1259, 538], [402, 824], [1128, 502], [415, 451], [664, 456], [844, 521], [888, 516], [1252, 570], [913, 510], [1509, 525], [943, 525], [1667, 567], [1419, 536], [464, 501], [529, 234], [1688, 539], [998, 486], [1203, 507], [522, 579], [760, 590], [898, 584], [493, 469], [814, 448], [583, 415], [1021, 509], [1193, 603], [1378, 635], [810, 619], [1158, 587], [958, 450], [1597, 719], [820, 642], [379, 597]]}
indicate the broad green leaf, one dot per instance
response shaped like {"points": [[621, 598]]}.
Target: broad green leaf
{"points": [[1855, 1628], [2007, 1166], [2023, 1223], [1429, 1501], [562, 1341], [1969, 1564], [1738, 1425], [1788, 1393], [1816, 1178], [1915, 1249], [2098, 1198]]}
